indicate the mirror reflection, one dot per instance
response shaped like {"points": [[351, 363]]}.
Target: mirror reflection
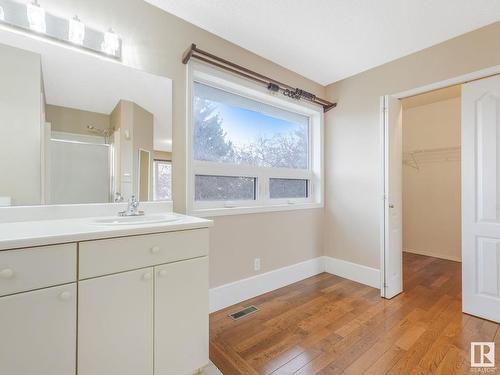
{"points": [[76, 128]]}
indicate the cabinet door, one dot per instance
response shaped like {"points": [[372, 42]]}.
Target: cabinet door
{"points": [[181, 317], [38, 332], [115, 324]]}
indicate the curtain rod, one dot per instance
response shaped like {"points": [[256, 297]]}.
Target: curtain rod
{"points": [[271, 84]]}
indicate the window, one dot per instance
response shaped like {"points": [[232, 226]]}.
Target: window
{"points": [[288, 188], [224, 188], [229, 128], [249, 150], [162, 180]]}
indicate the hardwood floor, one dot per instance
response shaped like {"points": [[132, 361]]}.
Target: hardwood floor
{"points": [[329, 325]]}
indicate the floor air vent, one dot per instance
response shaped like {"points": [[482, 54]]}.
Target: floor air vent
{"points": [[246, 311]]}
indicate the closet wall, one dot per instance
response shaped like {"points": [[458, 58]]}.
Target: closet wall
{"points": [[431, 174]]}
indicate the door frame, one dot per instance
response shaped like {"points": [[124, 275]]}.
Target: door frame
{"points": [[139, 171], [384, 151]]}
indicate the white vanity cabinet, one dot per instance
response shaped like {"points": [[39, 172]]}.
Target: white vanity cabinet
{"points": [[38, 319], [38, 332], [129, 305], [181, 317], [143, 304], [115, 324]]}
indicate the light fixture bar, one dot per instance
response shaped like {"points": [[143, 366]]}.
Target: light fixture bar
{"points": [[36, 17], [33, 18], [76, 31]]}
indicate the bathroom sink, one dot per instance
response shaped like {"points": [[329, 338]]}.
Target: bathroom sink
{"points": [[136, 220]]}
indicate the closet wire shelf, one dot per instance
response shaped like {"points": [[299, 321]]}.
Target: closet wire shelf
{"points": [[416, 158]]}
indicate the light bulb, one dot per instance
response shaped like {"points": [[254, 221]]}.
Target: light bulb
{"points": [[76, 31], [36, 17], [2, 14], [111, 43]]}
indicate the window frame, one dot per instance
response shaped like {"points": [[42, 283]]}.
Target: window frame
{"points": [[198, 72]]}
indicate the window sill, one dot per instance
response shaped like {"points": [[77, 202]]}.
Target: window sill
{"points": [[212, 212]]}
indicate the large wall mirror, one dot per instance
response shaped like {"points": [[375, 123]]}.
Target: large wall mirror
{"points": [[77, 128]]}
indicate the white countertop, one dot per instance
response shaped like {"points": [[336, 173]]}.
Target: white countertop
{"points": [[46, 232]]}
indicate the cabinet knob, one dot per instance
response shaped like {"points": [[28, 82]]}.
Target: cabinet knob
{"points": [[65, 296], [162, 273], [155, 249], [7, 273], [146, 276]]}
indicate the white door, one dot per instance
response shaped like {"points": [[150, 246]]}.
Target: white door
{"points": [[481, 198], [115, 324], [181, 317], [392, 266], [38, 332]]}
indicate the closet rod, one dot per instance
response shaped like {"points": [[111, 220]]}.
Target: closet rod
{"points": [[271, 84], [412, 161], [434, 150]]}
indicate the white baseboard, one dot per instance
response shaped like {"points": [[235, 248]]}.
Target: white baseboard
{"points": [[353, 271], [434, 255], [241, 290]]}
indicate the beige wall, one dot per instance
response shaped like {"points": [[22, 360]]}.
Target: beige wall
{"points": [[431, 193], [143, 135], [155, 41], [353, 136], [144, 175], [278, 238], [121, 120], [20, 126], [133, 127], [72, 120], [115, 118]]}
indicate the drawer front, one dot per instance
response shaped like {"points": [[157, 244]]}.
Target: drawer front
{"points": [[36, 267], [103, 257]]}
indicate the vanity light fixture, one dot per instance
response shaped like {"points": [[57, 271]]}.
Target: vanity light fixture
{"points": [[36, 17], [76, 31], [111, 43], [32, 18]]}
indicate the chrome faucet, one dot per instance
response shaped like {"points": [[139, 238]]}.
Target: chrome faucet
{"points": [[132, 208]]}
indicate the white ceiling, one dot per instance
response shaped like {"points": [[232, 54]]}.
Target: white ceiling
{"points": [[328, 40], [76, 79]]}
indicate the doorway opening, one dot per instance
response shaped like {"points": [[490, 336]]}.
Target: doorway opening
{"points": [[431, 188], [418, 174], [422, 184]]}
